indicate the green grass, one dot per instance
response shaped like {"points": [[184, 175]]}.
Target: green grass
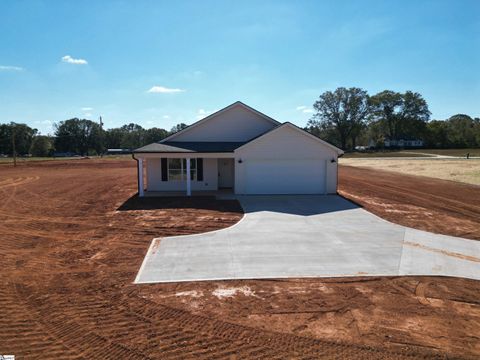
{"points": [[448, 152], [385, 154]]}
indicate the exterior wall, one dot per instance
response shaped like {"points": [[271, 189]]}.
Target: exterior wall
{"points": [[155, 183], [235, 124], [287, 144]]}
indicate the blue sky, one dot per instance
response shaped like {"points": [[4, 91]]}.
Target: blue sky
{"points": [[158, 63]]}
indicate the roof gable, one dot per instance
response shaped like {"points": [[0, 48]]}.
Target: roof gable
{"points": [[297, 130], [237, 122]]}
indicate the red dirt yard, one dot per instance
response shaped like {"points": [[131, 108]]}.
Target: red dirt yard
{"points": [[73, 237]]}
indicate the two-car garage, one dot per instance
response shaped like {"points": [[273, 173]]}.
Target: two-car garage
{"points": [[278, 176], [286, 160]]}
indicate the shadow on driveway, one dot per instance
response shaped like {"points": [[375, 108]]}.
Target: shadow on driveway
{"points": [[302, 205]]}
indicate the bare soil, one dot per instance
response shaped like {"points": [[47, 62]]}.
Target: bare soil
{"points": [[439, 206], [73, 235]]}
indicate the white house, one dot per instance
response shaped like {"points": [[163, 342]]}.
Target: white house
{"points": [[241, 149]]}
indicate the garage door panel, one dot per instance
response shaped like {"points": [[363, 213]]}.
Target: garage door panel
{"points": [[285, 177]]}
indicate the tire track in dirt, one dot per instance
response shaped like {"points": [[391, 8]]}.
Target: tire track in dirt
{"points": [[68, 259]]}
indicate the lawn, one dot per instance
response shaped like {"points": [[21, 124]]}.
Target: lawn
{"points": [[381, 154], [466, 171], [21, 160], [448, 152]]}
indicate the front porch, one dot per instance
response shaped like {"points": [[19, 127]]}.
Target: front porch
{"points": [[220, 194], [196, 174]]}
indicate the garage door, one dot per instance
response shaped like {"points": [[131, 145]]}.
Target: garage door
{"points": [[285, 177]]}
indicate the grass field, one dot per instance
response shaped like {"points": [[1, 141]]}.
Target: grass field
{"points": [[414, 153], [377, 154], [447, 152], [22, 160], [466, 171]]}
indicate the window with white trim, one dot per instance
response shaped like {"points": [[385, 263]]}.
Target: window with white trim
{"points": [[177, 169]]}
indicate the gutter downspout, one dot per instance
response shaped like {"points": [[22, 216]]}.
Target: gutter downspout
{"points": [[138, 173]]}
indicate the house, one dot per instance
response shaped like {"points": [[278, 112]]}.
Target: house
{"points": [[241, 149], [402, 143]]}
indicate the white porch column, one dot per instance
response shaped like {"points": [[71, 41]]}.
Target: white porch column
{"points": [[140, 178], [189, 182]]}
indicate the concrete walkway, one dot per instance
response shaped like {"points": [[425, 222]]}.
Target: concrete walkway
{"points": [[307, 236]]}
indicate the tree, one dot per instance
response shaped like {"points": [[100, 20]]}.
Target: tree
{"points": [[400, 115], [79, 136], [41, 146], [178, 127], [341, 114], [461, 131], [133, 136], [114, 138], [23, 138], [154, 135], [437, 134]]}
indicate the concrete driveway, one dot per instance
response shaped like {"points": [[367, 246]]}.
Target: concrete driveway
{"points": [[307, 236]]}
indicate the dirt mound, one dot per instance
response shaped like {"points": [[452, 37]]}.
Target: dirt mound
{"points": [[73, 237]]}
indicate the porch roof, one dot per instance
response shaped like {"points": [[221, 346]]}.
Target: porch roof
{"points": [[190, 147]]}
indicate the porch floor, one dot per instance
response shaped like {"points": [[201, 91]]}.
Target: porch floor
{"points": [[224, 194]]}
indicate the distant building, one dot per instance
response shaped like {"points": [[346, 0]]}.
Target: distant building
{"points": [[118, 151], [415, 143]]}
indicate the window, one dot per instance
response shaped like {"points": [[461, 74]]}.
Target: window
{"points": [[177, 169]]}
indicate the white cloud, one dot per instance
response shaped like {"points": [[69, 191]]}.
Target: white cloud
{"points": [[70, 60], [305, 109], [87, 108], [10, 68], [164, 90], [166, 116], [201, 113]]}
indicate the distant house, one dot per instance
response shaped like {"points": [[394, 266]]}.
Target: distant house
{"points": [[118, 151], [414, 143], [241, 149]]}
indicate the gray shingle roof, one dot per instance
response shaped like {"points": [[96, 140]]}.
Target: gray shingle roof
{"points": [[189, 147]]}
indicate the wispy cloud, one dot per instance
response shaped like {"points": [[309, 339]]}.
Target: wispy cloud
{"points": [[87, 108], [166, 116], [10, 68], [164, 90], [305, 109], [201, 113], [70, 60]]}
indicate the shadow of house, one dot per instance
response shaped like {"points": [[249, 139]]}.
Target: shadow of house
{"points": [[289, 204], [181, 202], [286, 204]]}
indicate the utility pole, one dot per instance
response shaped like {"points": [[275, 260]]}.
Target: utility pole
{"points": [[13, 147], [101, 137]]}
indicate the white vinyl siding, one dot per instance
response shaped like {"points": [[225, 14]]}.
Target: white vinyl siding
{"points": [[236, 124], [285, 161], [155, 183]]}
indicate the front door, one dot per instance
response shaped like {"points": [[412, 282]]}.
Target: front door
{"points": [[225, 173]]}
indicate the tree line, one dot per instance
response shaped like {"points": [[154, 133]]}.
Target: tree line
{"points": [[348, 117], [77, 136]]}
